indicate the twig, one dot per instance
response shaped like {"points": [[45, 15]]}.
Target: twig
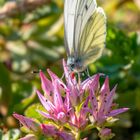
{"points": [[13, 8]]}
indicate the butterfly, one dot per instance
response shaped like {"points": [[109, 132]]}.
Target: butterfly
{"points": [[84, 33]]}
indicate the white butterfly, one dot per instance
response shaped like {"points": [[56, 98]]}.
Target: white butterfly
{"points": [[85, 33]]}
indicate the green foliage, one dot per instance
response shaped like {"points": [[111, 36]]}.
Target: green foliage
{"points": [[5, 85], [34, 40], [12, 134], [31, 112]]}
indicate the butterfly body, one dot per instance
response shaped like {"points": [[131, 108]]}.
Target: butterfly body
{"points": [[85, 33], [75, 64]]}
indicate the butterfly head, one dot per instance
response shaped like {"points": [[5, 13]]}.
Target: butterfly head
{"points": [[75, 64]]}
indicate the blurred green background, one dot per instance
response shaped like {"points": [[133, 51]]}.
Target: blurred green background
{"points": [[31, 38]]}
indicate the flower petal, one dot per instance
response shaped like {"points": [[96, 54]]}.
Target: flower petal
{"points": [[49, 116], [85, 109], [58, 102], [47, 104], [46, 86], [48, 130], [106, 133], [67, 103], [29, 137], [94, 104], [92, 81], [117, 111], [28, 122], [105, 92], [109, 100], [52, 75], [105, 88], [65, 136]]}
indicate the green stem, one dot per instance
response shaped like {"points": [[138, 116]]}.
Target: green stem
{"points": [[77, 137]]}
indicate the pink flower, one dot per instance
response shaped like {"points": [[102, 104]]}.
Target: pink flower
{"points": [[105, 133], [80, 119], [28, 123], [73, 107], [48, 130], [65, 136], [102, 103], [29, 137], [74, 89], [56, 106]]}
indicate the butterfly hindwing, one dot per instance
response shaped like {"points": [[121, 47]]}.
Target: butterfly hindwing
{"points": [[93, 37]]}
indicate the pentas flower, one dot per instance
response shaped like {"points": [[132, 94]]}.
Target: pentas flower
{"points": [[75, 90], [106, 134], [73, 107], [29, 123], [79, 119], [57, 108], [102, 103], [37, 129]]}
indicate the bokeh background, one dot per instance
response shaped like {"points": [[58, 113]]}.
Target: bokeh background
{"points": [[31, 38]]}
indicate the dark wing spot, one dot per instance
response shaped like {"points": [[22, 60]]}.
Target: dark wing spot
{"points": [[77, 60], [86, 7]]}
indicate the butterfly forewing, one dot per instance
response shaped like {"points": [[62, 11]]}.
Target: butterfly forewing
{"points": [[76, 15], [69, 17]]}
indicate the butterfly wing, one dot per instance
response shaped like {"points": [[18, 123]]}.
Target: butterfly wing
{"points": [[69, 16], [92, 41], [76, 15]]}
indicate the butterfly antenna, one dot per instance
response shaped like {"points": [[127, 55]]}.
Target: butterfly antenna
{"points": [[86, 72], [37, 71]]}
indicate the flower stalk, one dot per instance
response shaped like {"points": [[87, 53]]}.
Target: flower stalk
{"points": [[77, 136]]}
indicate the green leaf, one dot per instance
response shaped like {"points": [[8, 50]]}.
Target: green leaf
{"points": [[31, 111], [5, 85], [24, 95], [0, 134], [137, 136], [12, 134]]}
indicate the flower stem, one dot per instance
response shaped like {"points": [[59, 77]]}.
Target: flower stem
{"points": [[77, 137]]}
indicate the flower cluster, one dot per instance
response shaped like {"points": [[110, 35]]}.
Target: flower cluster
{"points": [[72, 108]]}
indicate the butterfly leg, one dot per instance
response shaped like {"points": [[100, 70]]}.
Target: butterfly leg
{"points": [[62, 76], [79, 78], [87, 73]]}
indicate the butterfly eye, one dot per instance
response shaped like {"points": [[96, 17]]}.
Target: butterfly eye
{"points": [[77, 60], [72, 65]]}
